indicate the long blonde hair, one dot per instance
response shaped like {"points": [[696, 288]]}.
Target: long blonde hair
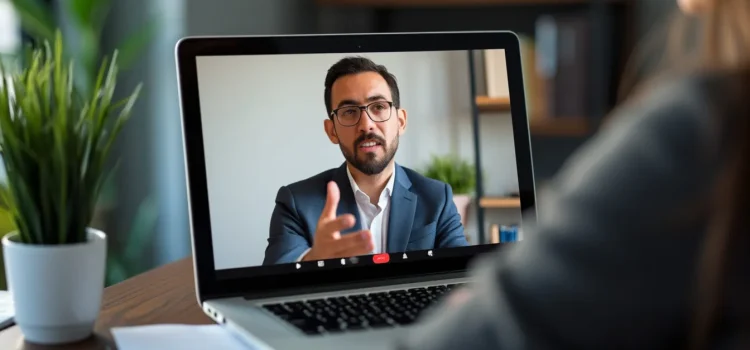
{"points": [[716, 40]]}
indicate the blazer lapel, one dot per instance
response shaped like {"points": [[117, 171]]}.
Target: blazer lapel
{"points": [[403, 207], [347, 203]]}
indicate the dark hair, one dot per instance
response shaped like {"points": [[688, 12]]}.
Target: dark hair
{"points": [[723, 45], [355, 65], [716, 41]]}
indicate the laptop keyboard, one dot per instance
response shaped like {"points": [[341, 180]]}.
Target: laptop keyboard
{"points": [[357, 312]]}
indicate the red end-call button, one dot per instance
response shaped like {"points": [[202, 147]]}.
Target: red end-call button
{"points": [[381, 258]]}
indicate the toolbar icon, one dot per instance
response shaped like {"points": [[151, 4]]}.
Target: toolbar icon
{"points": [[343, 261], [381, 258], [321, 263], [429, 253], [298, 266], [405, 257]]}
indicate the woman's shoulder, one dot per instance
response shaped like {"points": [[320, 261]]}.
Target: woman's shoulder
{"points": [[699, 92], [686, 109]]}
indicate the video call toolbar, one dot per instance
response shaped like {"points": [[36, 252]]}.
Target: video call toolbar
{"points": [[359, 261], [375, 259]]}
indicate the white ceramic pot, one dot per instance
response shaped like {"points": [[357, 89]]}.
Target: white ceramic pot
{"points": [[56, 289], [462, 202]]}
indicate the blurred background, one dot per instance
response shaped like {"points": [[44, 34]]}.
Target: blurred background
{"points": [[574, 53]]}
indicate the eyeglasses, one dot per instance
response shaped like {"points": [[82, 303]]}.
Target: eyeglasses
{"points": [[379, 111]]}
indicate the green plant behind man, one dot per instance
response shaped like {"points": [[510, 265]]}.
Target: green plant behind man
{"points": [[454, 171]]}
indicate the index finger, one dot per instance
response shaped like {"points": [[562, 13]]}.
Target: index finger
{"points": [[332, 201]]}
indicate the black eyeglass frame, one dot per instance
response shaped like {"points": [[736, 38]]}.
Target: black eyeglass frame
{"points": [[365, 108]]}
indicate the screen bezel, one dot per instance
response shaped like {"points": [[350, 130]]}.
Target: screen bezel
{"points": [[208, 286]]}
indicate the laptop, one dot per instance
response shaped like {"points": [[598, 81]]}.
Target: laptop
{"points": [[269, 122]]}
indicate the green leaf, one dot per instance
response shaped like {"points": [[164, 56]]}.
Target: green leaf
{"points": [[87, 55], [87, 18], [36, 18], [88, 13], [450, 169], [134, 45], [29, 218], [55, 140], [7, 199], [122, 118]]}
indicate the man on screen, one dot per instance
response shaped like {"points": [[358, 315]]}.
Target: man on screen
{"points": [[370, 204]]}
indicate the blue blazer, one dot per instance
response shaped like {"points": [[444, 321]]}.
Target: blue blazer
{"points": [[422, 214]]}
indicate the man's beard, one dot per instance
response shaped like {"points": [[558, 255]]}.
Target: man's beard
{"points": [[370, 165]]}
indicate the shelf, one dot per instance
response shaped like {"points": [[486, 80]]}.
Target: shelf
{"points": [[500, 202], [493, 104], [563, 126], [454, 3]]}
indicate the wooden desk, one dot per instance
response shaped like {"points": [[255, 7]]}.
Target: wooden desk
{"points": [[163, 295]]}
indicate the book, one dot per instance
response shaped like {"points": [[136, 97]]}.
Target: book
{"points": [[534, 87], [494, 234], [508, 233], [496, 73], [562, 49]]}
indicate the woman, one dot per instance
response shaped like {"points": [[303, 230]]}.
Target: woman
{"points": [[642, 242]]}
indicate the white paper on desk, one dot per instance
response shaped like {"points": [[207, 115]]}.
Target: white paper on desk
{"points": [[177, 336], [6, 309]]}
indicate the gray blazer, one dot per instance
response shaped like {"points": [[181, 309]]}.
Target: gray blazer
{"points": [[610, 262]]}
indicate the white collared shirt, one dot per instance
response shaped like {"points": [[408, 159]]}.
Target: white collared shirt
{"points": [[372, 217]]}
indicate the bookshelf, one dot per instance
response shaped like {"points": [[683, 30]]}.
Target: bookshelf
{"points": [[553, 135], [551, 113]]}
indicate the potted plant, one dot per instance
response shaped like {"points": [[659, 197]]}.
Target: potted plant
{"points": [[54, 141], [457, 173], [84, 23]]}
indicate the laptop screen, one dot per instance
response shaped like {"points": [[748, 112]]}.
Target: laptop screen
{"points": [[333, 161]]}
